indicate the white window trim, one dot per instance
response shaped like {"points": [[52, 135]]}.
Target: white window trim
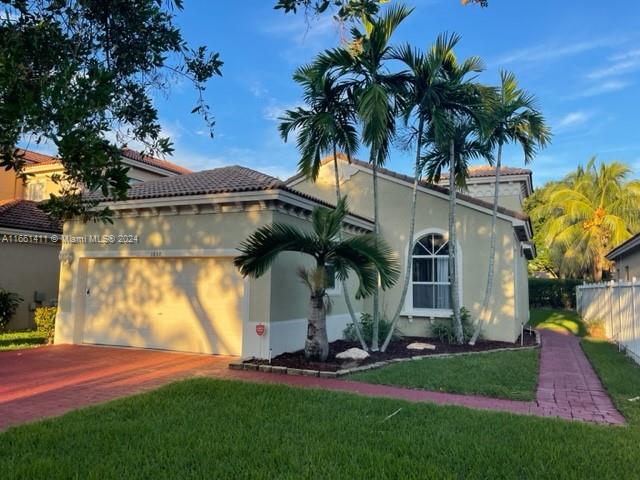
{"points": [[408, 309]]}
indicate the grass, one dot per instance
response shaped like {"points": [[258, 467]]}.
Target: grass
{"points": [[207, 428], [619, 374], [510, 375], [558, 320], [17, 340]]}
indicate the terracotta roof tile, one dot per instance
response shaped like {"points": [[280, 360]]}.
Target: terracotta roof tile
{"points": [[25, 215], [489, 171], [154, 162]]}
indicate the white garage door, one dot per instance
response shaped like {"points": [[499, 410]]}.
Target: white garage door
{"points": [[183, 304]]}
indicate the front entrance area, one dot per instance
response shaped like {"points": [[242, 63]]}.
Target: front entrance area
{"points": [[184, 304]]}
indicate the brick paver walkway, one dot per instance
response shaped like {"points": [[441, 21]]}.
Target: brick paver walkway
{"points": [[49, 381]]}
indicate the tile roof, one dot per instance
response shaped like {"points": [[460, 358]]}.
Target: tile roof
{"points": [[25, 215], [154, 162], [425, 184], [34, 159], [489, 171]]}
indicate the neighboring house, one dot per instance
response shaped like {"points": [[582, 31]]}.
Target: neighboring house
{"points": [[626, 258], [28, 256], [516, 185], [173, 285]]}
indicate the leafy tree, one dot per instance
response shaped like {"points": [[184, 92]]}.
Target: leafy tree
{"points": [[362, 64], [346, 9], [587, 214], [326, 124], [73, 71], [547, 259], [365, 255], [514, 118]]}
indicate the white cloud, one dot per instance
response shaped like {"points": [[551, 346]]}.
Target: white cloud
{"points": [[607, 86], [551, 51], [274, 110], [258, 90], [573, 119], [619, 64]]}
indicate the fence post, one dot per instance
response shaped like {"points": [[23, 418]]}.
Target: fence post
{"points": [[609, 290], [633, 315]]}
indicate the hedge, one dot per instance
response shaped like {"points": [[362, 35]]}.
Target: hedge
{"points": [[553, 292]]}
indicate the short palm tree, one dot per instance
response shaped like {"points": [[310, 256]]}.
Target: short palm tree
{"points": [[326, 124], [368, 257], [513, 118], [592, 210], [364, 64]]}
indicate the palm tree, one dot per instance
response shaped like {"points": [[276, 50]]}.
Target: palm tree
{"points": [[592, 210], [514, 118], [365, 255], [325, 125], [430, 99], [454, 151], [363, 65]]}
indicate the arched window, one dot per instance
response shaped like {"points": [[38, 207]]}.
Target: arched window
{"points": [[430, 273]]}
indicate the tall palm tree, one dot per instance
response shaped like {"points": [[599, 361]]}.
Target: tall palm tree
{"points": [[592, 210], [514, 118], [463, 143], [326, 124], [365, 255], [363, 64], [429, 99]]}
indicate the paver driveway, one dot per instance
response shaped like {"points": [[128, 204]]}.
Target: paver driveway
{"points": [[48, 381]]}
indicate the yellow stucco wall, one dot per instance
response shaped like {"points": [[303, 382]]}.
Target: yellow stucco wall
{"points": [[27, 268], [432, 213]]}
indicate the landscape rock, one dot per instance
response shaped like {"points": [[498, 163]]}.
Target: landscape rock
{"points": [[352, 354], [420, 346]]}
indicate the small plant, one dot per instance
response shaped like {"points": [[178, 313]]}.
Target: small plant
{"points": [[443, 329], [9, 303], [366, 323], [45, 318]]}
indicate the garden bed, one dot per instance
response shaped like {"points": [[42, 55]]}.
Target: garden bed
{"points": [[295, 363]]}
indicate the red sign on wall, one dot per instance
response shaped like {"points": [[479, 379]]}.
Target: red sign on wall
{"points": [[260, 329]]}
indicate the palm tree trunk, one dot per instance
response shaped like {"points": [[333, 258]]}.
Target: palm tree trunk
{"points": [[453, 254], [345, 291], [412, 228], [484, 311], [316, 345], [376, 231]]}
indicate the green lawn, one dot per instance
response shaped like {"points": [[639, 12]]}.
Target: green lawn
{"points": [[511, 375], [559, 320], [224, 429], [17, 340]]}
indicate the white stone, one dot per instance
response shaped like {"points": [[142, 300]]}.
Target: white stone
{"points": [[420, 346], [352, 354]]}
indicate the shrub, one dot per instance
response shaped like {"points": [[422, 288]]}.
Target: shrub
{"points": [[9, 303], [366, 323], [443, 329], [596, 328], [553, 292], [46, 321]]}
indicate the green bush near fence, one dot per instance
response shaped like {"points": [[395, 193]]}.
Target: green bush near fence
{"points": [[553, 293]]}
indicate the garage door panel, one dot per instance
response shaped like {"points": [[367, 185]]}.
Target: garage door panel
{"points": [[192, 305]]}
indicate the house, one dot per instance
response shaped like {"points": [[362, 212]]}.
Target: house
{"points": [[29, 239], [163, 276], [626, 258], [516, 184]]}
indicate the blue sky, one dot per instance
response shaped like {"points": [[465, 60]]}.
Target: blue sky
{"points": [[581, 59]]}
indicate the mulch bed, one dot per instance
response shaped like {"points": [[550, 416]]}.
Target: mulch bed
{"points": [[396, 349]]}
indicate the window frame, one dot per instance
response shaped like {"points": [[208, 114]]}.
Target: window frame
{"points": [[409, 310], [337, 285]]}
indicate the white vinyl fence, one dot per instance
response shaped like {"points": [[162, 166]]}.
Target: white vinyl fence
{"points": [[617, 306]]}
